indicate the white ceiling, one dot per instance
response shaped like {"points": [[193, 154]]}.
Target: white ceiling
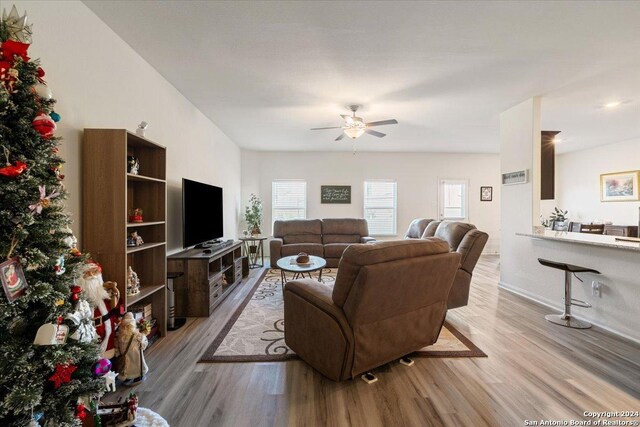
{"points": [[266, 72]]}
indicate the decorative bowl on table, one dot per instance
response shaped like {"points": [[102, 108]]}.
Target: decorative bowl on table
{"points": [[302, 258]]}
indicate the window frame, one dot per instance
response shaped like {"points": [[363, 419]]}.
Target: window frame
{"points": [[394, 232], [273, 205], [465, 199]]}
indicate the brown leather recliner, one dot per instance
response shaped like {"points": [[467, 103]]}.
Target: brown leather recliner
{"points": [[416, 228], [469, 242], [389, 300]]}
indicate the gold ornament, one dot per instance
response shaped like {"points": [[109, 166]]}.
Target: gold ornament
{"points": [[17, 25]]}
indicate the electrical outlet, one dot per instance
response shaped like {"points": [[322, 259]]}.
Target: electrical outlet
{"points": [[596, 288]]}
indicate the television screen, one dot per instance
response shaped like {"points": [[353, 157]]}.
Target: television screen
{"points": [[201, 212]]}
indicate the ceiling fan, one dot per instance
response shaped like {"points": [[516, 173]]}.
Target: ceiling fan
{"points": [[354, 127]]}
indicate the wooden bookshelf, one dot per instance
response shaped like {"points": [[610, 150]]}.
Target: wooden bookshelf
{"points": [[109, 192]]}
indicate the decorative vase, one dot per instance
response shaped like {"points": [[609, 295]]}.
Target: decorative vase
{"points": [[255, 231]]}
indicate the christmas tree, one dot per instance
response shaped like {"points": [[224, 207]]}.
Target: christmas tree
{"points": [[39, 383]]}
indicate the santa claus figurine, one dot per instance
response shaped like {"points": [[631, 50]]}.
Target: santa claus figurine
{"points": [[103, 297]]}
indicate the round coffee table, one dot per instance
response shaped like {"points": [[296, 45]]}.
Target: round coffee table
{"points": [[288, 264]]}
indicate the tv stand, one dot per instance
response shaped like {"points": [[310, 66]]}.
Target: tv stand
{"points": [[209, 276]]}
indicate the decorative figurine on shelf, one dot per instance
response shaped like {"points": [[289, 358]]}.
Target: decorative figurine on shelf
{"points": [[133, 165], [142, 127], [103, 298], [135, 215], [134, 240], [133, 282], [131, 344]]}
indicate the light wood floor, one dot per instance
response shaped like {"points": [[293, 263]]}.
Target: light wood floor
{"points": [[535, 371]]}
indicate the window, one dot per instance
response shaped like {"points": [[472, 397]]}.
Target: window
{"points": [[288, 200], [453, 199], [380, 207]]}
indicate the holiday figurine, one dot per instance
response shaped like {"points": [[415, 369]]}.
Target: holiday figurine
{"points": [[82, 319], [134, 239], [106, 310], [133, 282], [135, 215], [133, 165], [131, 344]]}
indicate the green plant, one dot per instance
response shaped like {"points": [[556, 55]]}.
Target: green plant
{"points": [[558, 215], [253, 213]]}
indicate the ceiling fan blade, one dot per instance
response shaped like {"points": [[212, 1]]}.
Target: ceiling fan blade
{"points": [[375, 133], [340, 137], [332, 127], [345, 116], [383, 122]]}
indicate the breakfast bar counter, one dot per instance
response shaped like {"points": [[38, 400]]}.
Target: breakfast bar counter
{"points": [[623, 243]]}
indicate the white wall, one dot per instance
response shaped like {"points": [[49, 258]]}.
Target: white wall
{"points": [[578, 182], [99, 81], [520, 271], [416, 174]]}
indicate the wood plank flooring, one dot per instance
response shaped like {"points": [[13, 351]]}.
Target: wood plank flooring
{"points": [[535, 371]]}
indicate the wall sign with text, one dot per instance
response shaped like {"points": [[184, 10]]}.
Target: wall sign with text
{"points": [[340, 194]]}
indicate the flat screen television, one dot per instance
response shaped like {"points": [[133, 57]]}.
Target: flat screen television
{"points": [[202, 213]]}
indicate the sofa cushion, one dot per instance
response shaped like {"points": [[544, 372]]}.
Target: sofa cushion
{"points": [[430, 231], [345, 226], [335, 250], [290, 239], [310, 248], [416, 228], [453, 232], [297, 226], [341, 238], [356, 256]]}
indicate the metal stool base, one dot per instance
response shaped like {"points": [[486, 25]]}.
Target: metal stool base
{"points": [[567, 321]]}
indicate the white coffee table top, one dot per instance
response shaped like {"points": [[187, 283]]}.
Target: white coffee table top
{"points": [[289, 263]]}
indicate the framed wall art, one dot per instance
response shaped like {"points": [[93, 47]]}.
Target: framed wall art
{"points": [[619, 186], [340, 194], [486, 194]]}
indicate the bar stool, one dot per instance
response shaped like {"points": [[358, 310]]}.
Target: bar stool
{"points": [[565, 319]]}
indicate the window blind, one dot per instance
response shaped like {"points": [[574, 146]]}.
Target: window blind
{"points": [[288, 200], [380, 207]]}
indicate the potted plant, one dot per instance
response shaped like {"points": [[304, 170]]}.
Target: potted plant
{"points": [[253, 214], [559, 219]]}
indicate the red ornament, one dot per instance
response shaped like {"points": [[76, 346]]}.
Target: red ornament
{"points": [[13, 170], [62, 375], [44, 125], [40, 72], [12, 48], [75, 292], [81, 412]]}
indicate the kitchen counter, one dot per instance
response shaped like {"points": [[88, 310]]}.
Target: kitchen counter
{"points": [[623, 243]]}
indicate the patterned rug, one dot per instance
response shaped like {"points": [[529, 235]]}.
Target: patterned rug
{"points": [[255, 332]]}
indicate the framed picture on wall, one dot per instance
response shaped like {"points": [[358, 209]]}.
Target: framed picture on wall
{"points": [[335, 194], [619, 186], [486, 194]]}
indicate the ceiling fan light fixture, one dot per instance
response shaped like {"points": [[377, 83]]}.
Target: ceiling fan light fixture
{"points": [[354, 132]]}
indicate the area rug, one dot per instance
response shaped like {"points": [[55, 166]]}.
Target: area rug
{"points": [[255, 332]]}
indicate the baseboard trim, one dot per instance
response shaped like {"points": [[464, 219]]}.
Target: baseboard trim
{"points": [[534, 298]]}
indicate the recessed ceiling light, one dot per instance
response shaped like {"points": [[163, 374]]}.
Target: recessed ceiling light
{"points": [[613, 104]]}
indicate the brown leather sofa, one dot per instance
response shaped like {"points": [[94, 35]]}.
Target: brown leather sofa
{"points": [[463, 238], [326, 238], [389, 300]]}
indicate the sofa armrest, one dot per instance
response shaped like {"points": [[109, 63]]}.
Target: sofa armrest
{"points": [[275, 251], [367, 239], [317, 329]]}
